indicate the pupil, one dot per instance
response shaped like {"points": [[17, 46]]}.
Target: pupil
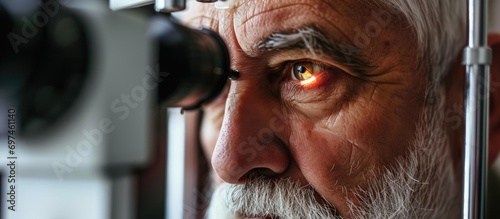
{"points": [[301, 69]]}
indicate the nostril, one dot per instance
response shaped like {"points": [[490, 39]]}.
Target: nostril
{"points": [[235, 164], [258, 172]]}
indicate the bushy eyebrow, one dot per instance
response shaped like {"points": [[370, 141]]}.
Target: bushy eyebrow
{"points": [[316, 44]]}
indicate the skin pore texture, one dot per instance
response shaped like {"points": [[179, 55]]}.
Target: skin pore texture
{"points": [[407, 190], [360, 141]]}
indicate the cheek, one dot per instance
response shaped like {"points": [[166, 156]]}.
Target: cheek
{"points": [[342, 151], [325, 156], [329, 164]]}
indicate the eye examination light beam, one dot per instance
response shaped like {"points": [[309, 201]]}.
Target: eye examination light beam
{"points": [[308, 81]]}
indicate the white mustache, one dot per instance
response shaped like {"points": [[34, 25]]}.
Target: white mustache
{"points": [[281, 198]]}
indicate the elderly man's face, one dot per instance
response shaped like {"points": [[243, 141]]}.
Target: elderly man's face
{"points": [[330, 97]]}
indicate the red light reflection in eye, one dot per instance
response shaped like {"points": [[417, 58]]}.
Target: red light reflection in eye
{"points": [[308, 82]]}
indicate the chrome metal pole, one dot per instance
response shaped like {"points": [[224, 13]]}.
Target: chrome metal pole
{"points": [[170, 5], [477, 57]]}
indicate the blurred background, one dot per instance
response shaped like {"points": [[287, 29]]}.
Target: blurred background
{"points": [[494, 175], [494, 25]]}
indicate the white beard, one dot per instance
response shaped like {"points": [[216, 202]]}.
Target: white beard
{"points": [[420, 185]]}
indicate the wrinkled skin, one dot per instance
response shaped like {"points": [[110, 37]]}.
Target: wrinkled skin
{"points": [[332, 134]]}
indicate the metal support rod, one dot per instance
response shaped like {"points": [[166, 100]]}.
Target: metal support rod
{"points": [[168, 6], [477, 57]]}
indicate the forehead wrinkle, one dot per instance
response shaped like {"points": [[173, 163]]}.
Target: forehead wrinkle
{"points": [[330, 5], [312, 9], [270, 10]]}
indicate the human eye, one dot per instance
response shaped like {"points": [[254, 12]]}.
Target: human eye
{"points": [[307, 81], [310, 74], [306, 72]]}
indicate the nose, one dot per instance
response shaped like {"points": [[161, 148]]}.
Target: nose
{"points": [[249, 141]]}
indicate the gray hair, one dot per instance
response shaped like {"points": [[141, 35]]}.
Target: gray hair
{"points": [[440, 27]]}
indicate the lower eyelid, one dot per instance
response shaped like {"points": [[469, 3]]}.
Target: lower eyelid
{"points": [[299, 94], [322, 79]]}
